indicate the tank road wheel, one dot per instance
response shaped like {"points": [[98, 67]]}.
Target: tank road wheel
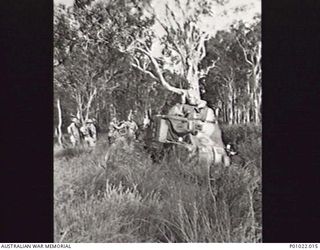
{"points": [[226, 161], [206, 156]]}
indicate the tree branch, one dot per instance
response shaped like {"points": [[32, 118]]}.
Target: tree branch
{"points": [[160, 75], [205, 72], [111, 89], [244, 52], [171, 39], [201, 46], [137, 66]]}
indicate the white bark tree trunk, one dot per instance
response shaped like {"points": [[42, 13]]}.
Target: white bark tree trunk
{"points": [[231, 101], [256, 78], [60, 123], [89, 103], [253, 59]]}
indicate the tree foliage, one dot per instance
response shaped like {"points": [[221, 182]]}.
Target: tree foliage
{"points": [[109, 58]]}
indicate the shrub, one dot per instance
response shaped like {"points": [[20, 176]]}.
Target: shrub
{"points": [[133, 199]]}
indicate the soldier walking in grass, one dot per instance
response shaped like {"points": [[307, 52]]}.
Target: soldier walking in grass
{"points": [[114, 127], [89, 132], [74, 132], [132, 127]]}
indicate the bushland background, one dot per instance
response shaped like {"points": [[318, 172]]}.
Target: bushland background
{"points": [[135, 199]]}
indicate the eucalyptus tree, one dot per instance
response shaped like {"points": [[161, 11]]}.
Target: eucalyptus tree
{"points": [[234, 84], [249, 40], [180, 36], [83, 68]]}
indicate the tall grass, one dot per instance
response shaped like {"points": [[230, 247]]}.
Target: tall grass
{"points": [[132, 199]]}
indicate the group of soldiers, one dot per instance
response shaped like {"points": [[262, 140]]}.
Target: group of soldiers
{"points": [[126, 129], [82, 134], [86, 134]]}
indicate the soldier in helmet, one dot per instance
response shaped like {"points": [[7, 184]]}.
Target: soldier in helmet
{"points": [[113, 129], [132, 126], [197, 111], [195, 102], [74, 131], [90, 132]]}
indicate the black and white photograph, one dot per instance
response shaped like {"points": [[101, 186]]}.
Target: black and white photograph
{"points": [[157, 121]]}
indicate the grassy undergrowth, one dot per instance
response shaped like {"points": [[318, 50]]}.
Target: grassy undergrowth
{"points": [[132, 199]]}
